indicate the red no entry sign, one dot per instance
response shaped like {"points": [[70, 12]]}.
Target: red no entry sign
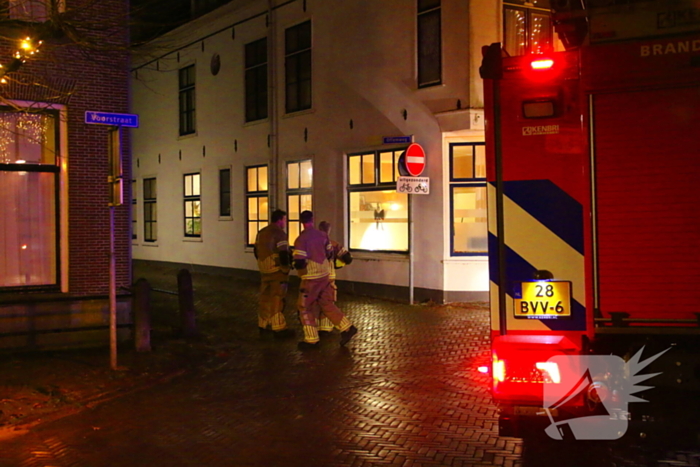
{"points": [[415, 159]]}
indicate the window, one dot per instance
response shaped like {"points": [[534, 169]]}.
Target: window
{"points": [[29, 252], [468, 198], [299, 184], [378, 214], [429, 43], [134, 236], [256, 80], [37, 11], [528, 29], [297, 64], [225, 192], [257, 201], [187, 100], [193, 205], [150, 210]]}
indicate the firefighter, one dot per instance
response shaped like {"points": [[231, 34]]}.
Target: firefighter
{"points": [[312, 252], [341, 257], [274, 262]]}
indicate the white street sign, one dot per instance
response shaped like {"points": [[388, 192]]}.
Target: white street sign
{"points": [[413, 185]]}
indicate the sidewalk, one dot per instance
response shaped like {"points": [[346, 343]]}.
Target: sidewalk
{"points": [[41, 386]]}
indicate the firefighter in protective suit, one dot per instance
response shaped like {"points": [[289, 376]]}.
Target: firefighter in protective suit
{"points": [[340, 257], [274, 262], [312, 251]]}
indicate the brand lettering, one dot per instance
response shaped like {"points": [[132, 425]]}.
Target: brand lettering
{"points": [[670, 48], [540, 130]]}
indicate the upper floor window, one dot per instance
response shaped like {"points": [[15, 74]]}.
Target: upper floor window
{"points": [[134, 224], [297, 62], [468, 198], [35, 11], [187, 100], [299, 189], [257, 201], [256, 80], [527, 27], [193, 205], [378, 215], [429, 43]]}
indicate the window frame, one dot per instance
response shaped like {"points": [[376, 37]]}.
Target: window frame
{"points": [[150, 208], [258, 195], [295, 56], [255, 76], [187, 107], [376, 186], [424, 32], [192, 199], [463, 182]]}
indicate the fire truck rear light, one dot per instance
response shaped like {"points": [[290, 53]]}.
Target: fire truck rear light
{"points": [[552, 369], [543, 64], [483, 369], [499, 370]]}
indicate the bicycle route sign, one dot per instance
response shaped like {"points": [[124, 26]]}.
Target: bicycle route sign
{"points": [[413, 185]]}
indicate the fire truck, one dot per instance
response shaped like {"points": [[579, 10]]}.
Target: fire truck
{"points": [[593, 169]]}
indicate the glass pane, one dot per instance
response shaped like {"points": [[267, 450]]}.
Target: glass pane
{"points": [[462, 161], [306, 172], [293, 207], [252, 209], [263, 208], [386, 167], [27, 137], [293, 231], [429, 48], [262, 178], [379, 220], [368, 168], [480, 164], [196, 189], [188, 209], [252, 179], [427, 4], [540, 34], [252, 232], [197, 208], [293, 175], [469, 220], [197, 226], [305, 203], [514, 31], [28, 252], [354, 169], [188, 185]]}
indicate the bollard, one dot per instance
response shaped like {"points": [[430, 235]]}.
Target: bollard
{"points": [[186, 296], [142, 316]]}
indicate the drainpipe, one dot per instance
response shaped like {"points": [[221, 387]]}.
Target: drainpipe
{"points": [[273, 140]]}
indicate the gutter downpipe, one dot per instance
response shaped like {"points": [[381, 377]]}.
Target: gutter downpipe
{"points": [[273, 140]]}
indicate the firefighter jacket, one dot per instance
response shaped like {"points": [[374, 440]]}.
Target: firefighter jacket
{"points": [[272, 250], [314, 248]]}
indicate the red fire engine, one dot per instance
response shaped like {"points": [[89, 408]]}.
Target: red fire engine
{"points": [[593, 164]]}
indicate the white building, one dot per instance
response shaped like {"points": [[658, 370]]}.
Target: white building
{"points": [[292, 104]]}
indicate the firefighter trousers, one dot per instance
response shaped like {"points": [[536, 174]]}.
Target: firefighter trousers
{"points": [[318, 296], [273, 291]]}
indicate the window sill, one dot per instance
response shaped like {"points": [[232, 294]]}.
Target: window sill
{"points": [[299, 113], [256, 122], [187, 136], [192, 239], [379, 256], [226, 218], [471, 258], [151, 244]]}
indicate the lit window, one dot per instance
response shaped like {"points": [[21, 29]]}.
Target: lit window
{"points": [[468, 198], [378, 214], [29, 174], [193, 205], [256, 201], [528, 28], [299, 185]]}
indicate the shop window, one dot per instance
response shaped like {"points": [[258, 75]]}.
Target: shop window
{"points": [[299, 187], [468, 199], [378, 215], [257, 201], [29, 248]]}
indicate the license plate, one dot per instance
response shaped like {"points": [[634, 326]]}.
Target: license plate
{"points": [[544, 299]]}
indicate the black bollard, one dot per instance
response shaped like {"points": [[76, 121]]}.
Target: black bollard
{"points": [[186, 296], [142, 316]]}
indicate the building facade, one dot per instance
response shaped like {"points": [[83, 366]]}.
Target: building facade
{"points": [[61, 59], [309, 104]]}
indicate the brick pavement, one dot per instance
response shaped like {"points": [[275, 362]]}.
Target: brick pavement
{"points": [[404, 392]]}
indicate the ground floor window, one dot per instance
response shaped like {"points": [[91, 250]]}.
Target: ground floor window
{"points": [[29, 251], [193, 205], [378, 214], [257, 201], [468, 199], [150, 210], [299, 189]]}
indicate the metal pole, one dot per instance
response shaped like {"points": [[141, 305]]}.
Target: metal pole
{"points": [[112, 294], [410, 250]]}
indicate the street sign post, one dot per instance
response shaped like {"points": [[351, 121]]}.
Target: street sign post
{"points": [[415, 159]]}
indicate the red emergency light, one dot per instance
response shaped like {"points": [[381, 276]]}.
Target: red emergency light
{"points": [[542, 64]]}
